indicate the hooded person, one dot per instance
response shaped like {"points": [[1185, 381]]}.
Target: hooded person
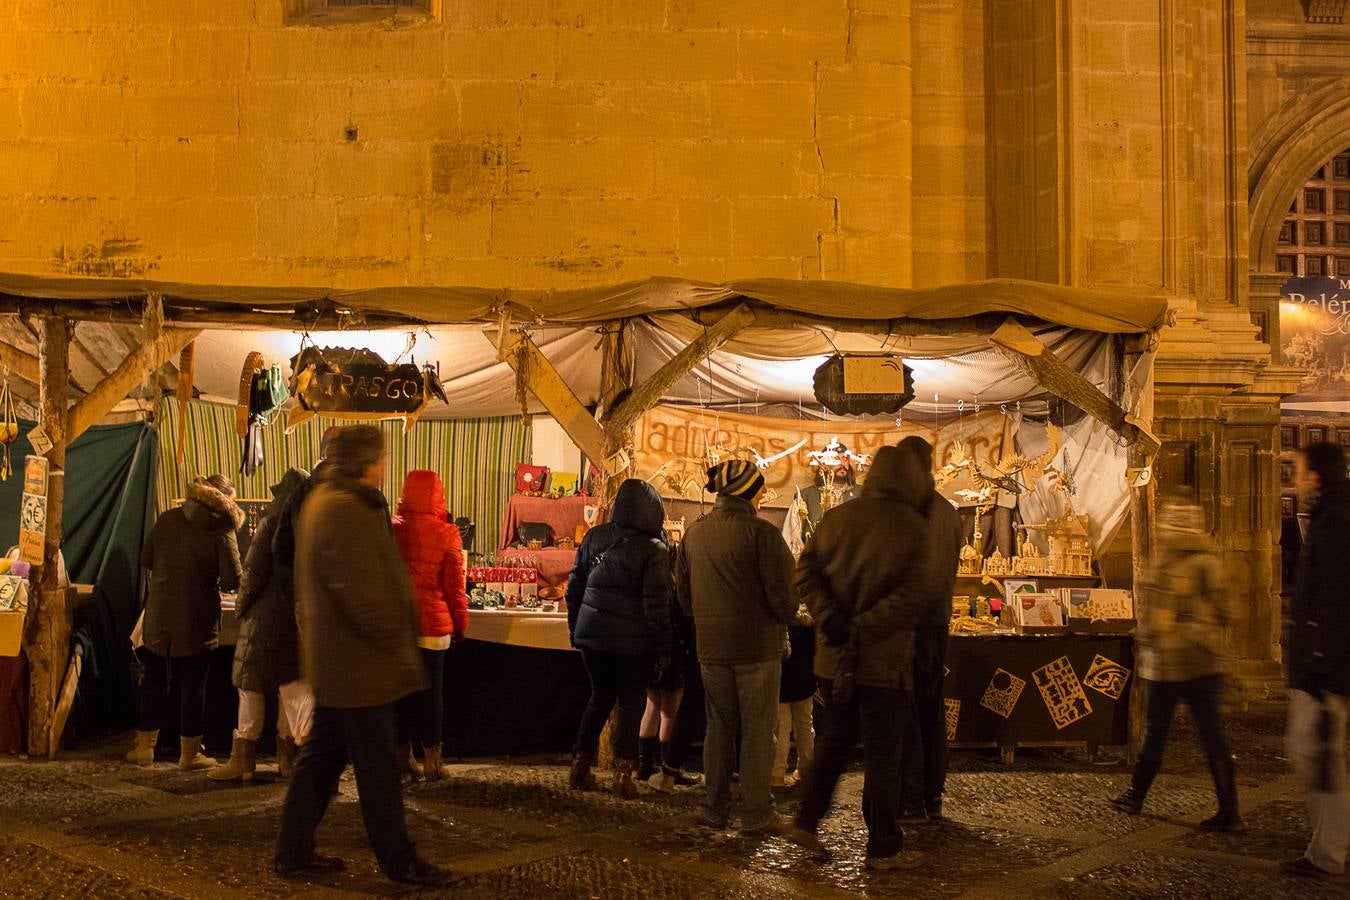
{"points": [[267, 655], [434, 552], [1181, 654], [924, 767], [1318, 659], [618, 616], [734, 577], [192, 554], [867, 579]]}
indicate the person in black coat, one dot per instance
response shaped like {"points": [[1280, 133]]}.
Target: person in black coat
{"points": [[796, 701], [1318, 654], [618, 616]]}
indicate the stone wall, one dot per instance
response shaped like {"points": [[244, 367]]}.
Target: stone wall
{"points": [[523, 143]]}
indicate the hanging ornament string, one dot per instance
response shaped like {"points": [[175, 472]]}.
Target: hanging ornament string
{"points": [[9, 428]]}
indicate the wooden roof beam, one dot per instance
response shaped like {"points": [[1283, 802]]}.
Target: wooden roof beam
{"points": [[148, 357], [20, 362], [1039, 362]]}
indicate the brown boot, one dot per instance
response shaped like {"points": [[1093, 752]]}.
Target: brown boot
{"points": [[409, 762], [432, 766], [190, 755], [580, 777], [286, 751], [144, 753], [624, 786], [241, 764]]}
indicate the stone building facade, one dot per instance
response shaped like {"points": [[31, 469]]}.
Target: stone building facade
{"points": [[559, 143]]}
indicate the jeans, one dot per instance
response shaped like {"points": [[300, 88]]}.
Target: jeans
{"points": [[794, 720], [190, 672], [294, 716], [368, 737], [881, 714], [923, 778], [740, 700], [1315, 741], [1202, 696], [615, 678], [420, 715]]}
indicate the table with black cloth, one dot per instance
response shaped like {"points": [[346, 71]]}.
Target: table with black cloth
{"points": [[1039, 690]]}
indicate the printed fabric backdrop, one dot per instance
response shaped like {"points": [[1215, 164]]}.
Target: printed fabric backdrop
{"points": [[476, 458]]}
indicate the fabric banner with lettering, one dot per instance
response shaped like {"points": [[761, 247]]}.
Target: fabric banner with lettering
{"points": [[476, 458], [671, 444]]}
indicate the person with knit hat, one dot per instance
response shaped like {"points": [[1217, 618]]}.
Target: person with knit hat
{"points": [[1182, 624], [267, 656], [735, 578]]}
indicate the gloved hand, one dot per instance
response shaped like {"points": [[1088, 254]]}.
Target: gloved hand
{"points": [[835, 627]]}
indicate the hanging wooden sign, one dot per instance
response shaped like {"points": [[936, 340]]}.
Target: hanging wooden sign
{"points": [[33, 510], [863, 384], [349, 383]]}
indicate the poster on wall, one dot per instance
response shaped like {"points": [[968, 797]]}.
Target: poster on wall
{"points": [[1315, 335], [671, 444]]}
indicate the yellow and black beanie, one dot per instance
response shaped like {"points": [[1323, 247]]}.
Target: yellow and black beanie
{"points": [[735, 478]]}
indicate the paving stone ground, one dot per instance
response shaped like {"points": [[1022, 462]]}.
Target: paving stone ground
{"points": [[88, 825]]}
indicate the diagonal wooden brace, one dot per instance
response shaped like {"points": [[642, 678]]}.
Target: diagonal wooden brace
{"points": [[1022, 348], [646, 395], [544, 382], [109, 392]]}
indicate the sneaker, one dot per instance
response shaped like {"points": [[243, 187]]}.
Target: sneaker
{"points": [[911, 818], [900, 860], [312, 865], [773, 824], [1129, 802], [662, 783], [1226, 822], [804, 838], [684, 779], [1304, 868]]}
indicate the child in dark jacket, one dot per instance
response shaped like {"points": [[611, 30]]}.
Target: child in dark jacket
{"points": [[796, 699]]}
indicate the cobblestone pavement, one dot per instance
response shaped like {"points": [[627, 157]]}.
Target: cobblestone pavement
{"points": [[91, 826]]}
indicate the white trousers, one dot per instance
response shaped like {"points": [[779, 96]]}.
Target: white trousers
{"points": [[294, 714], [795, 720], [1315, 742]]}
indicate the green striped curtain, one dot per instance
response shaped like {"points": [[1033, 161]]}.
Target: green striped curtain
{"points": [[476, 458]]}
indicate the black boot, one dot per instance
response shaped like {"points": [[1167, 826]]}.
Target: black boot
{"points": [[648, 760], [1132, 801], [1224, 771]]}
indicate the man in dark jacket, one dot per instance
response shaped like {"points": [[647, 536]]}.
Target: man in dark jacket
{"points": [[618, 616], [1319, 659], [192, 554], [865, 576], [267, 656], [924, 772], [358, 634], [735, 579]]}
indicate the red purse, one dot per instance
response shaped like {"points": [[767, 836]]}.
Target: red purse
{"points": [[531, 479]]}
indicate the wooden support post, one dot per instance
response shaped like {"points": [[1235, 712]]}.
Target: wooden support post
{"points": [[1022, 348], [650, 392], [47, 632], [109, 392], [25, 365], [1142, 499], [520, 353]]}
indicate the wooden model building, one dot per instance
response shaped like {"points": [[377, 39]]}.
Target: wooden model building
{"points": [[1070, 553], [998, 565], [1029, 560], [971, 563]]}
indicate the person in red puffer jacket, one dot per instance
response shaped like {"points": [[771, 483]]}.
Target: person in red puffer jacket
{"points": [[434, 552]]}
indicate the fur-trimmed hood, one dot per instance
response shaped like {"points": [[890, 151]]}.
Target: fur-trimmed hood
{"points": [[207, 507]]}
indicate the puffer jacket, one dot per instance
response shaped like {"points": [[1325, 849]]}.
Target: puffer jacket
{"points": [[268, 652], [1319, 630], [868, 561], [1185, 610], [619, 593], [735, 579], [358, 619], [192, 554], [434, 552]]}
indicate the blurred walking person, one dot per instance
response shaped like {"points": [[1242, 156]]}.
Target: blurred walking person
{"points": [[1319, 659], [267, 656], [434, 552], [735, 579], [358, 631], [865, 575], [618, 616], [1181, 655], [192, 554]]}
